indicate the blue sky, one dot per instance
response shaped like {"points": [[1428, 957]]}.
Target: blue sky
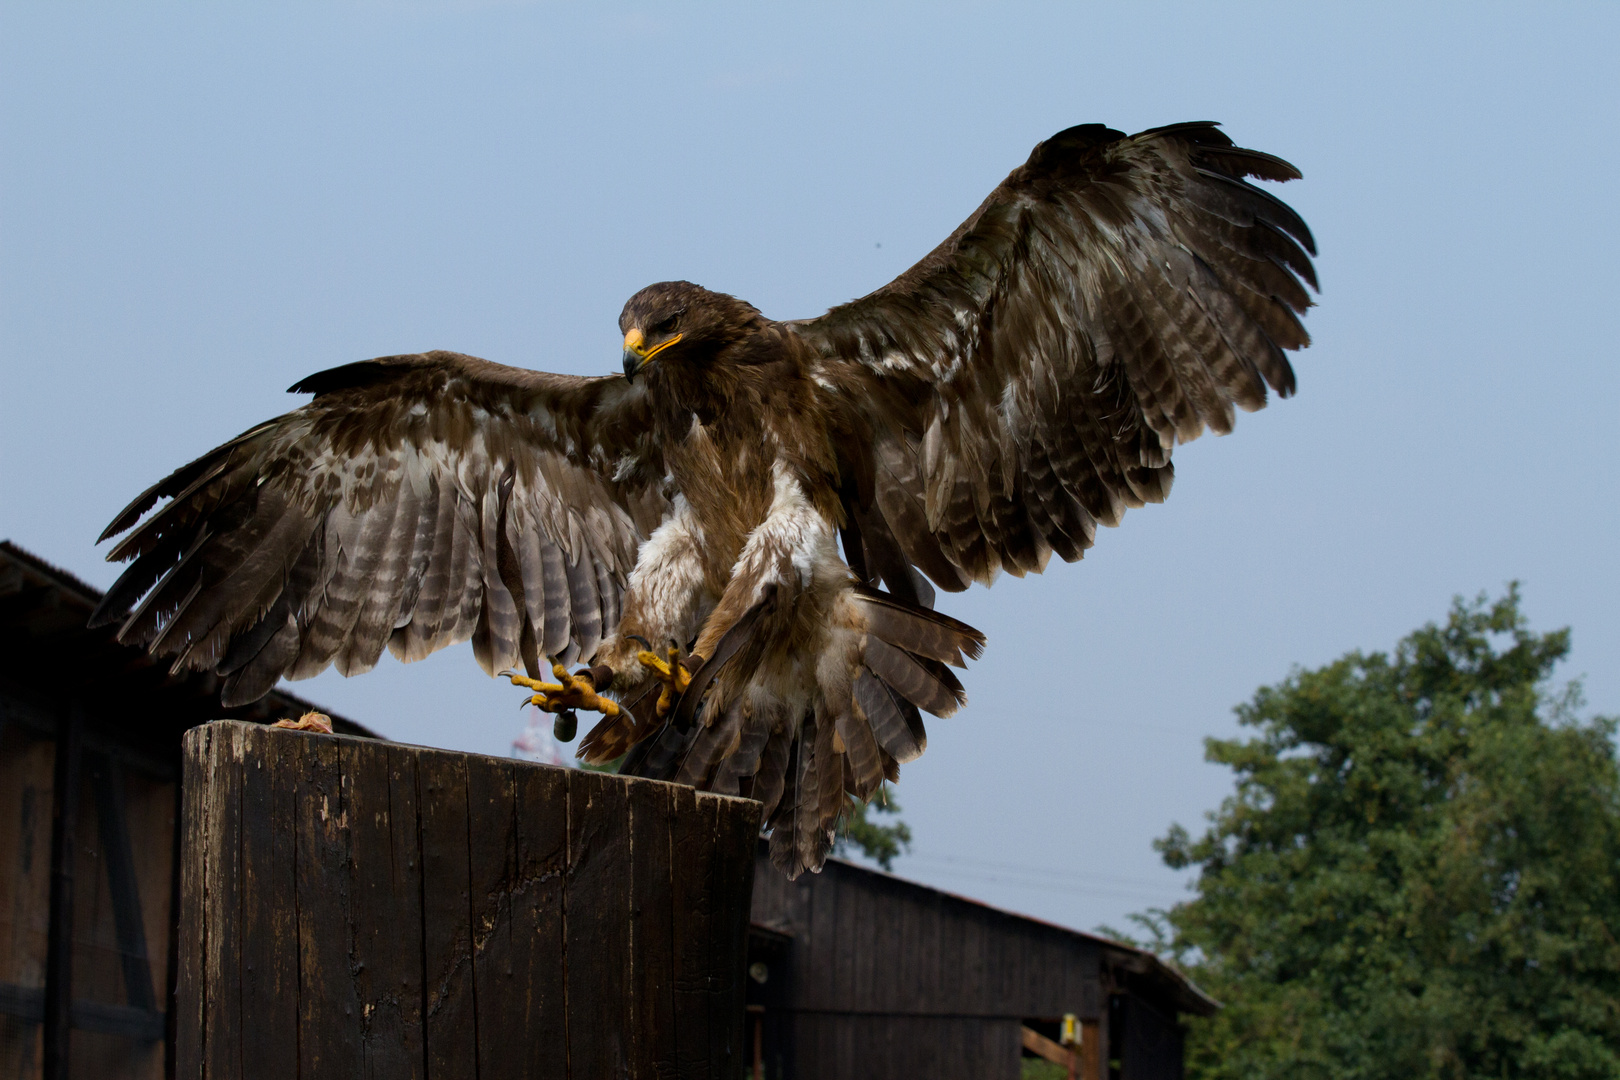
{"points": [[201, 203]]}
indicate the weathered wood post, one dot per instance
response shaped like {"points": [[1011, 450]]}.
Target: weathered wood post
{"points": [[352, 908]]}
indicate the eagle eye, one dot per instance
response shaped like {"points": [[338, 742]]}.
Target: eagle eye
{"points": [[665, 325]]}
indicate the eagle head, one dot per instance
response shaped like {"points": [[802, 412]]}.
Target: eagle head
{"points": [[680, 321]]}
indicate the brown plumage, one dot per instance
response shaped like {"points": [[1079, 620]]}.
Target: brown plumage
{"points": [[1025, 382]]}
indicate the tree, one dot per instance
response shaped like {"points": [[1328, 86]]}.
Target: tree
{"points": [[1419, 872], [880, 843]]}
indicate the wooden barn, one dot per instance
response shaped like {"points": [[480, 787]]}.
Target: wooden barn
{"points": [[351, 907], [856, 974], [90, 738]]}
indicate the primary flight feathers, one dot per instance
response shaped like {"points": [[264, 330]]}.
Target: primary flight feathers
{"points": [[1024, 382]]}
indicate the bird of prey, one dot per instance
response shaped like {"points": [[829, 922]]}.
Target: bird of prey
{"points": [[740, 536]]}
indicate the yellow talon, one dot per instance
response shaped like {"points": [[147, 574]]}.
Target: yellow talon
{"points": [[670, 672], [568, 692]]}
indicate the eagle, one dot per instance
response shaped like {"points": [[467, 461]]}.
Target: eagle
{"points": [[739, 538]]}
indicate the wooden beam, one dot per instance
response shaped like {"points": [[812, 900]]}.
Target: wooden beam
{"points": [[122, 886], [59, 935], [1091, 1050], [1056, 1053], [27, 1003]]}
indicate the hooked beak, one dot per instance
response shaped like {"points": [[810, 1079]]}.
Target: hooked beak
{"points": [[636, 355]]}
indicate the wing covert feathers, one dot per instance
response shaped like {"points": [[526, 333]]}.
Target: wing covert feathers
{"points": [[416, 502], [1029, 378]]}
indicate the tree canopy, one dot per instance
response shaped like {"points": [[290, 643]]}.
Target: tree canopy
{"points": [[1418, 874], [878, 842]]}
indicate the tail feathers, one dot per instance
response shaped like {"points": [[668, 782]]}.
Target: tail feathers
{"points": [[894, 722], [863, 759], [908, 648], [658, 757], [919, 630], [827, 794], [783, 821], [771, 780], [803, 828], [745, 760], [719, 737], [613, 736], [906, 675], [804, 760]]}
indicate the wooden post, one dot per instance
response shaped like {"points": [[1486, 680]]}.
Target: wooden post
{"points": [[1093, 1064], [352, 908], [1056, 1053]]}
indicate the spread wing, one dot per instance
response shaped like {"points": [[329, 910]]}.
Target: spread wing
{"points": [[417, 501], [1030, 377]]}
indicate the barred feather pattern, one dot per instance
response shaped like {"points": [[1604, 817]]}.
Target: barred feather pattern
{"points": [[1028, 379], [417, 501]]}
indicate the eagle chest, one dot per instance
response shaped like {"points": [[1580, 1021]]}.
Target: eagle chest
{"points": [[726, 476]]}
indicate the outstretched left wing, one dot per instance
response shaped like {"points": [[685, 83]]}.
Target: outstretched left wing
{"points": [[417, 501], [1029, 378]]}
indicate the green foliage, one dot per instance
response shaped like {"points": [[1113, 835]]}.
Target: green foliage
{"points": [[1034, 1068], [1419, 872], [880, 843]]}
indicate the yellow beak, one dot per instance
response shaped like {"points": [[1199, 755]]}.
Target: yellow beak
{"points": [[636, 356]]}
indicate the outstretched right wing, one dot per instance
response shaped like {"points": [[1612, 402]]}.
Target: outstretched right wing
{"points": [[417, 501]]}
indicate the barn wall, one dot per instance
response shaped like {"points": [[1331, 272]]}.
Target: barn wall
{"points": [[25, 886], [1152, 1042], [126, 810], [870, 943], [128, 741], [890, 978]]}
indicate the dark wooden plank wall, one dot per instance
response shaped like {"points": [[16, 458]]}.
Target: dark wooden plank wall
{"points": [[116, 913], [892, 978], [1152, 1042], [360, 909], [26, 790], [866, 942]]}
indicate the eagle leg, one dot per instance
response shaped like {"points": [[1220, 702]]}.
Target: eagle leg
{"points": [[567, 693], [671, 673]]}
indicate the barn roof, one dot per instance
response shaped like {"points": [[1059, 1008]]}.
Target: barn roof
{"points": [[47, 653], [1169, 981]]}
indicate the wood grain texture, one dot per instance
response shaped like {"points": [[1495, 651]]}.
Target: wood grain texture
{"points": [[733, 887], [351, 908], [536, 948], [450, 1010], [190, 984], [694, 899], [268, 877], [597, 907], [222, 879], [328, 1023], [652, 930], [385, 903]]}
